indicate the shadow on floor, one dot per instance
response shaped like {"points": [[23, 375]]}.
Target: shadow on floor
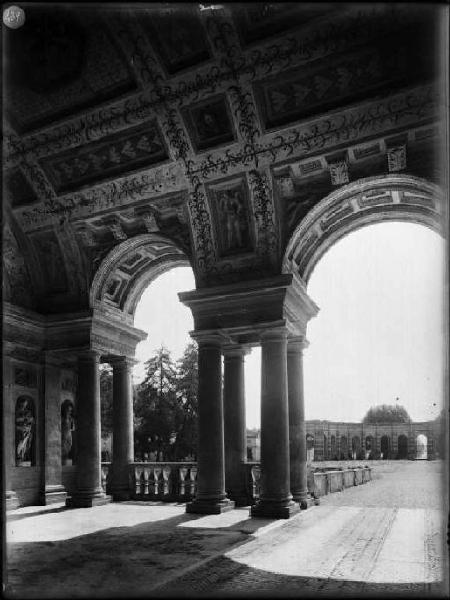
{"points": [[223, 577]]}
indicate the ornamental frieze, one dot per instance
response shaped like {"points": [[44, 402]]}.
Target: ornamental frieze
{"points": [[86, 203], [111, 156]]}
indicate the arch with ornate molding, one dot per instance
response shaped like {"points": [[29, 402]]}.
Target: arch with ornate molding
{"points": [[360, 203], [129, 268]]}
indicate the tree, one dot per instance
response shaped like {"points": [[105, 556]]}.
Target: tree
{"points": [[387, 413], [155, 406], [187, 389]]}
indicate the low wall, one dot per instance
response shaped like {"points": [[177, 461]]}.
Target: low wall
{"points": [[178, 481], [321, 482]]}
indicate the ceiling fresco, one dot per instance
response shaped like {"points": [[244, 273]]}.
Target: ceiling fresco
{"points": [[216, 127]]}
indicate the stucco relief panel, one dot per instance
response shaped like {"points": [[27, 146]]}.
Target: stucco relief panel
{"points": [[107, 158], [230, 208]]}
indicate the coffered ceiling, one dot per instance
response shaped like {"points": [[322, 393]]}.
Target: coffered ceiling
{"points": [[216, 127]]}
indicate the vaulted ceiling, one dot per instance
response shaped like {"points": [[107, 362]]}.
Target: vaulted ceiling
{"points": [[216, 127]]}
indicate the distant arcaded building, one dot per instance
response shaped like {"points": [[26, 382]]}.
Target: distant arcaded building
{"points": [[329, 440]]}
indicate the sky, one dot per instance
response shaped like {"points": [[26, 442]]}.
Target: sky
{"points": [[377, 337]]}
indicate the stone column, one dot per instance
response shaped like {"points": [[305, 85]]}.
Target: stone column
{"points": [[88, 487], [234, 422], [297, 427], [275, 496], [123, 434], [210, 497]]}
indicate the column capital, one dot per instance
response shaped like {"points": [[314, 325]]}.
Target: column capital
{"points": [[296, 344], [208, 338], [89, 355], [235, 350], [274, 334], [121, 362]]}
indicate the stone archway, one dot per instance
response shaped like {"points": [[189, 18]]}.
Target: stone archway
{"points": [[368, 447], [116, 288], [385, 446], [360, 203], [128, 270], [356, 447], [421, 447], [402, 447], [368, 201]]}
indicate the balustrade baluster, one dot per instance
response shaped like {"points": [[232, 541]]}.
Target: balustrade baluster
{"points": [[166, 474], [182, 472], [156, 475], [193, 480], [146, 480], [137, 479], [104, 476], [256, 477]]}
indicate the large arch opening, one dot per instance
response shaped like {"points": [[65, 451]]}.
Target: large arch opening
{"points": [[398, 220], [137, 286], [402, 446], [421, 447], [165, 374]]}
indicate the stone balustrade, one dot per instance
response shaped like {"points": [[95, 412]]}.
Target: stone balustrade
{"points": [[168, 481], [105, 475], [177, 481], [252, 480]]}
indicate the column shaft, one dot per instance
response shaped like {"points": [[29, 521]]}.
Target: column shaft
{"points": [[123, 447], [297, 427], [275, 497], [88, 490], [234, 420], [211, 497]]}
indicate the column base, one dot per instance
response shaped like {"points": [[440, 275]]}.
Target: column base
{"points": [[53, 494], [239, 498], [303, 499], [272, 510], [76, 501], [210, 507], [308, 502], [120, 495]]}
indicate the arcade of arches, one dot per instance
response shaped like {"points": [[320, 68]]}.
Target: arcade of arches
{"points": [[328, 440], [245, 147]]}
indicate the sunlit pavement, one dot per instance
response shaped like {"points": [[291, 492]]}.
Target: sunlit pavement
{"points": [[382, 538]]}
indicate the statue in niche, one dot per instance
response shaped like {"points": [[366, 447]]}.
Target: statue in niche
{"points": [[25, 431], [67, 433], [233, 220]]}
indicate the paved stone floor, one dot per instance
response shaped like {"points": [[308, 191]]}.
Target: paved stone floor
{"points": [[385, 538]]}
